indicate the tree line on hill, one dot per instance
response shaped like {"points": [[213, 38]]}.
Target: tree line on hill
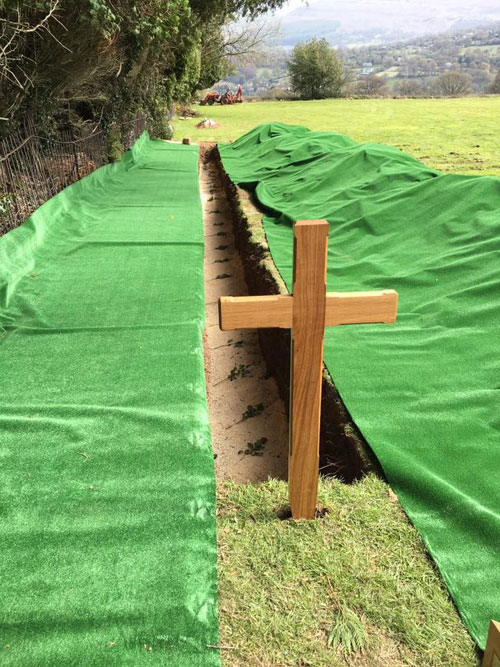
{"points": [[449, 64], [317, 72], [82, 61]]}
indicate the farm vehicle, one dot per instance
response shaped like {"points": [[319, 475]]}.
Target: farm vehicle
{"points": [[213, 97]]}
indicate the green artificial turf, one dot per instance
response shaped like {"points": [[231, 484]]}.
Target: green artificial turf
{"points": [[107, 532], [424, 392]]}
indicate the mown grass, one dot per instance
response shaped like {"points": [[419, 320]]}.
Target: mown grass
{"points": [[458, 135], [353, 588]]}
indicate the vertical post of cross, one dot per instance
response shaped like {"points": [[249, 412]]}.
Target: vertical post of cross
{"points": [[309, 312], [492, 653], [306, 312]]}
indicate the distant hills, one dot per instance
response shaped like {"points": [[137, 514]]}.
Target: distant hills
{"points": [[357, 22]]}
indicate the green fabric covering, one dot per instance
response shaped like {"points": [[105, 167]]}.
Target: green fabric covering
{"points": [[424, 392], [107, 532]]}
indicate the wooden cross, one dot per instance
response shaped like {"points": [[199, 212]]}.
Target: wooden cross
{"points": [[492, 652], [306, 312]]}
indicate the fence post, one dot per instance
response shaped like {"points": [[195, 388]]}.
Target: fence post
{"points": [[75, 155]]}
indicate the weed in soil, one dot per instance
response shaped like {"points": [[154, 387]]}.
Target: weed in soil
{"points": [[241, 371], [252, 411], [254, 448], [230, 343]]}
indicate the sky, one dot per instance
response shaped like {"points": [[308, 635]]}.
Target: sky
{"points": [[290, 6]]}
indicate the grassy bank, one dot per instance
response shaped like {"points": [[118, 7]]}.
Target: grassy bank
{"points": [[458, 135]]}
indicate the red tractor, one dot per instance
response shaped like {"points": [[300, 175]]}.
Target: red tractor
{"points": [[210, 98], [227, 98]]}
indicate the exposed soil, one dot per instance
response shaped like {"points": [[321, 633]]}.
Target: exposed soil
{"points": [[266, 433], [343, 451], [238, 262]]}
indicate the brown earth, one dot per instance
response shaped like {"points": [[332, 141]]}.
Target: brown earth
{"points": [[228, 400]]}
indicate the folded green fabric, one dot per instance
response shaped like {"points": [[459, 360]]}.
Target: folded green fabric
{"points": [[424, 392], [107, 537]]}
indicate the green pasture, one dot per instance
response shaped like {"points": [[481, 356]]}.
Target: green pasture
{"points": [[453, 135], [490, 49]]}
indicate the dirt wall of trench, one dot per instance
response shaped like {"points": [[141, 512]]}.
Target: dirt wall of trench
{"points": [[343, 451]]}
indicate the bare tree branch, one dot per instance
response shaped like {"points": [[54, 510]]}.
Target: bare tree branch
{"points": [[244, 41]]}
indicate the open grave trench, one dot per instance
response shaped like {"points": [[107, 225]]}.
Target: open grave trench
{"points": [[237, 263], [237, 355]]}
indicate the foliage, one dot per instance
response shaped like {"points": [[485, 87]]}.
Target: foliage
{"points": [[241, 371], [161, 127], [115, 146], [453, 84], [252, 411], [348, 633], [409, 88], [495, 86], [315, 70], [108, 59], [372, 86], [254, 448], [475, 52]]}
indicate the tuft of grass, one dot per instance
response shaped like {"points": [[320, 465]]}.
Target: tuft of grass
{"points": [[348, 633], [353, 588]]}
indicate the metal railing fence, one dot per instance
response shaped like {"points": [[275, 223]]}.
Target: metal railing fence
{"points": [[33, 167]]}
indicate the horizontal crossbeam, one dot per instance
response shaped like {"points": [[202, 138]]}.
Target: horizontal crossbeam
{"points": [[276, 311]]}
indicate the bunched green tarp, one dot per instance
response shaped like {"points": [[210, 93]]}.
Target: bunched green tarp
{"points": [[424, 392], [107, 531]]}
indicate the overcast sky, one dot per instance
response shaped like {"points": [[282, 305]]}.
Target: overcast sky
{"points": [[290, 5]]}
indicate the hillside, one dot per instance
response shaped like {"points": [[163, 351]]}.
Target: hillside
{"points": [[421, 59], [357, 22]]}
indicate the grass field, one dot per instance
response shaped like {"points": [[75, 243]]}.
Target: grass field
{"points": [[459, 135], [357, 587]]}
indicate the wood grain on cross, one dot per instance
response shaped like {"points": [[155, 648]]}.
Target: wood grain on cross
{"points": [[492, 652], [306, 312]]}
